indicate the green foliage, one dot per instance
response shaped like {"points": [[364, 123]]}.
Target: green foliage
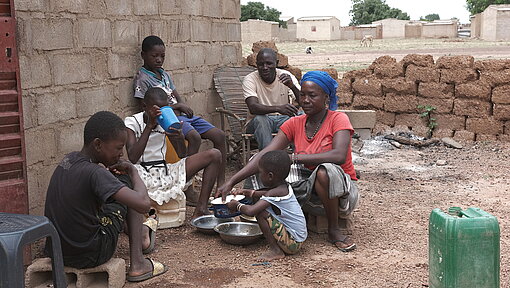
{"points": [[257, 10], [426, 112], [368, 11], [430, 17], [477, 6]]}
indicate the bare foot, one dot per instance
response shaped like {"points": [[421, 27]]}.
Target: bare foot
{"points": [[140, 268], [271, 255]]}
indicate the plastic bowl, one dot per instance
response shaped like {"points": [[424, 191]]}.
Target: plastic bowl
{"points": [[221, 210], [206, 223], [239, 233]]}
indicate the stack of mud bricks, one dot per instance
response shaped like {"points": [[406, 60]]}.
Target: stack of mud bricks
{"points": [[283, 61], [78, 57], [472, 98], [111, 274]]}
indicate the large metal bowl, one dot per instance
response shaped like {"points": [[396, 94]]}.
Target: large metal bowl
{"points": [[239, 233], [206, 223]]}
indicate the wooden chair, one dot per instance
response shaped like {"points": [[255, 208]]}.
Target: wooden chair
{"points": [[234, 113]]}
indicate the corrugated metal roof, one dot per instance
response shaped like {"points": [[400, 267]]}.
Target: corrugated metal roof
{"points": [[312, 18]]}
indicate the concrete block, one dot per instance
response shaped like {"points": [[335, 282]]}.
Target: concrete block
{"points": [[56, 107], [179, 30], [409, 120], [361, 118], [441, 105], [400, 103], [52, 34], [46, 147], [201, 30], [70, 68], [367, 86], [199, 103], [94, 33], [501, 111], [386, 118], [157, 28], [29, 111], [120, 7], [213, 56], [176, 57], [191, 7], [169, 7], [203, 80], [90, 101], [31, 5], [492, 65], [233, 32], [421, 74], [361, 101], [476, 89], [70, 138], [471, 107], [496, 78], [231, 9], [123, 65], [147, 7], [125, 33], [418, 60], [389, 71], [501, 94], [213, 101], [219, 31], [212, 8], [231, 54], [111, 274], [100, 67], [488, 126], [485, 137], [183, 82], [455, 62], [73, 6], [458, 76], [319, 224], [450, 122], [195, 55], [436, 90], [399, 85], [35, 71], [124, 93]]}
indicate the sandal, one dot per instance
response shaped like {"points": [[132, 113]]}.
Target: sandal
{"points": [[157, 269], [152, 224], [344, 245]]}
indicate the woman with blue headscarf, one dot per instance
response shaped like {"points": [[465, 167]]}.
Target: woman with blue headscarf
{"points": [[322, 147]]}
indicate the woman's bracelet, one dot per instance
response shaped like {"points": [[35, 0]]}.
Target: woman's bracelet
{"points": [[239, 206]]}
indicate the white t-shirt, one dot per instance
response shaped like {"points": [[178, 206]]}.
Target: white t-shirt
{"points": [[155, 150], [272, 94]]}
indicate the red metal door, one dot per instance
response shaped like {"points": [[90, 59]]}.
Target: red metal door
{"points": [[13, 175]]}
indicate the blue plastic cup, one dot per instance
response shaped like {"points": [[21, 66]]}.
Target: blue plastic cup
{"points": [[168, 119]]}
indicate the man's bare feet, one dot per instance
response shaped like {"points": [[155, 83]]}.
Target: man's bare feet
{"points": [[271, 254]]}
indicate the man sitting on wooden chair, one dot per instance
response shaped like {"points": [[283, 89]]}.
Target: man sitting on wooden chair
{"points": [[269, 93]]}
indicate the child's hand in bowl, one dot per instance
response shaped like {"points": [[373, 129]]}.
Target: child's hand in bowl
{"points": [[232, 205]]}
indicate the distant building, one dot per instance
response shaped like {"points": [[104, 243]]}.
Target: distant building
{"points": [[289, 33], [392, 28], [318, 28], [493, 24], [357, 32], [255, 30]]}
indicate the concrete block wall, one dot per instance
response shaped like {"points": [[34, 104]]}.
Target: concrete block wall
{"points": [[78, 57], [472, 98]]}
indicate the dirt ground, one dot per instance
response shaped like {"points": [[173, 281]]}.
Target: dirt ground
{"points": [[399, 189]]}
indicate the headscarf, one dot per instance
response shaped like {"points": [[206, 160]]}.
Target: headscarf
{"points": [[326, 82]]}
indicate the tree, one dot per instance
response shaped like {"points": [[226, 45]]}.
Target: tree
{"points": [[430, 17], [257, 10], [478, 6], [368, 11]]}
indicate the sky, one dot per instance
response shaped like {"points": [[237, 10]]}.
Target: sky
{"points": [[340, 8]]}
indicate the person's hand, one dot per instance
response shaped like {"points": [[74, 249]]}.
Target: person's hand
{"points": [[286, 80], [224, 190], [153, 113], [121, 167], [232, 205], [287, 109], [175, 133], [184, 109], [245, 192]]}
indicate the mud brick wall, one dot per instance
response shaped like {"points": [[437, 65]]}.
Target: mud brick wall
{"points": [[78, 57], [472, 98]]}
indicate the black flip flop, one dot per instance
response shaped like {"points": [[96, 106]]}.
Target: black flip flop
{"points": [[344, 249]]}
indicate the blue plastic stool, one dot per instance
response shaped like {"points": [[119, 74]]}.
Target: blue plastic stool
{"points": [[17, 230]]}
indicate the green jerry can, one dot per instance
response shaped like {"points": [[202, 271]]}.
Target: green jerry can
{"points": [[463, 249]]}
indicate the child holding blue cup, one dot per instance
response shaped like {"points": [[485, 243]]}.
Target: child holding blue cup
{"points": [[146, 148]]}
